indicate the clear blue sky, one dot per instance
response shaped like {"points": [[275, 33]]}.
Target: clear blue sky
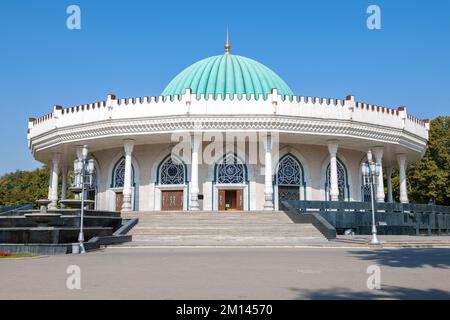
{"points": [[134, 48]]}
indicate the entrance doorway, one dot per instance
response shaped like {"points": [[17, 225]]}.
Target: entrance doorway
{"points": [[172, 200], [92, 195], [231, 200], [119, 201], [286, 193]]}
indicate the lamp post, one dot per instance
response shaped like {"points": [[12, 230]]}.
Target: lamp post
{"points": [[82, 166], [370, 171]]}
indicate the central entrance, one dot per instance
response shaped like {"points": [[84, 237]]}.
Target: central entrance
{"points": [[286, 193], [119, 201], [231, 200], [172, 200]]}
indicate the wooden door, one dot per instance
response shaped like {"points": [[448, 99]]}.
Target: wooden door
{"points": [[240, 200], [172, 200], [286, 193], [222, 200], [230, 200], [119, 201]]}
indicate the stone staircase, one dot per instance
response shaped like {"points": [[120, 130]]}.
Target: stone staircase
{"points": [[259, 228]]}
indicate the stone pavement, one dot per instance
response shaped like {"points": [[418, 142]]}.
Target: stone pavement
{"points": [[399, 241], [243, 273]]}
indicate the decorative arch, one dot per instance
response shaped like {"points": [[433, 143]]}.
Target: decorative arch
{"points": [[212, 187], [366, 194], [343, 184], [171, 171], [289, 171], [118, 174], [289, 179], [93, 191], [307, 191], [230, 170], [157, 189], [112, 191], [221, 155]]}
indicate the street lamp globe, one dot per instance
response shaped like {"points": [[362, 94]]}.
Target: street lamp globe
{"points": [[370, 170]]}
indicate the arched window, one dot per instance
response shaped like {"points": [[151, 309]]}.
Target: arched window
{"points": [[231, 170], [94, 180], [93, 189], [171, 171], [342, 182], [289, 179], [366, 194], [365, 191], [290, 172], [118, 177]]}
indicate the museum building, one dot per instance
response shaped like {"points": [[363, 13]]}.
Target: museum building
{"points": [[308, 148]]}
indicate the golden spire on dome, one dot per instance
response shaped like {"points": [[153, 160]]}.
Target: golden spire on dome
{"points": [[227, 45]]}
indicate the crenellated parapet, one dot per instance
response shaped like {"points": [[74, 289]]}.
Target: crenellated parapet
{"points": [[219, 100], [291, 113]]}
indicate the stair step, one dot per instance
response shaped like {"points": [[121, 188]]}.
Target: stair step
{"points": [[213, 228]]}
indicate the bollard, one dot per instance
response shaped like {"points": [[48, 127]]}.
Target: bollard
{"points": [[75, 248]]}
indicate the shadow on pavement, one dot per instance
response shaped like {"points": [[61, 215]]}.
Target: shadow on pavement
{"points": [[387, 292], [407, 258]]}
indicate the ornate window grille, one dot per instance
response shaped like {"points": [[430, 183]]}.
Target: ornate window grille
{"points": [[289, 172], [230, 170], [172, 172], [118, 180], [366, 194], [342, 181], [94, 180], [365, 191]]}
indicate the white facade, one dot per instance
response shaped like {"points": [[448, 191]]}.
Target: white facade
{"points": [[328, 138]]}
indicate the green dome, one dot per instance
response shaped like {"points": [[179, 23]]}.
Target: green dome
{"points": [[227, 74]]}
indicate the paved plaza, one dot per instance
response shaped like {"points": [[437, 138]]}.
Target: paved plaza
{"points": [[232, 273]]}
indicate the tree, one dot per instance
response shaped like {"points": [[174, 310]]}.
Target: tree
{"points": [[22, 186], [429, 179]]}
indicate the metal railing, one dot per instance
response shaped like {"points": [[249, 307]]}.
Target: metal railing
{"points": [[8, 210], [391, 218], [365, 206]]}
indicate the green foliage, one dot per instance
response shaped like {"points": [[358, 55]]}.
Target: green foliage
{"points": [[22, 186], [430, 177]]}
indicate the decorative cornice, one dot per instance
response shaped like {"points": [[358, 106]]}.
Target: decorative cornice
{"points": [[331, 128]]}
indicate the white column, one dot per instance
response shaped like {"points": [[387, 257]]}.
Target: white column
{"points": [[64, 183], [50, 179], [389, 184], [334, 188], [196, 141], [380, 183], [77, 177], [268, 185], [401, 159], [79, 158], [54, 182], [127, 188]]}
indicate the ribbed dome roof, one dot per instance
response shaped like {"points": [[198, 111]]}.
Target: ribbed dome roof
{"points": [[227, 74]]}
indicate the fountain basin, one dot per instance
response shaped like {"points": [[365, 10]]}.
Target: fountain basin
{"points": [[43, 219], [50, 235], [43, 203], [76, 203]]}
